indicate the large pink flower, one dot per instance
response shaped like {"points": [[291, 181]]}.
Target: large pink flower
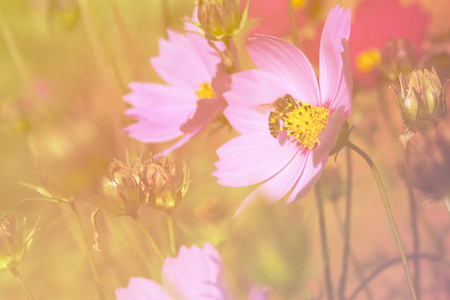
{"points": [[192, 97], [195, 274], [287, 162]]}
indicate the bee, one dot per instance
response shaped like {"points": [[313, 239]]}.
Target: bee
{"points": [[281, 107]]}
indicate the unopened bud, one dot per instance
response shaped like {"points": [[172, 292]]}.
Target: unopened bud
{"points": [[421, 99], [160, 184], [120, 190], [12, 245]]}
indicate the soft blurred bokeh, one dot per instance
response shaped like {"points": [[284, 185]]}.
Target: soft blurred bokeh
{"points": [[65, 66]]}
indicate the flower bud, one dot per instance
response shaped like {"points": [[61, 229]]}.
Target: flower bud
{"points": [[220, 19], [160, 184], [398, 56], [12, 245], [120, 190], [421, 99]]}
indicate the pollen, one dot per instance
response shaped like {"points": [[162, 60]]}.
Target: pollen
{"points": [[205, 91], [305, 123], [368, 59]]}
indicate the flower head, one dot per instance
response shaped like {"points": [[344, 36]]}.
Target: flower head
{"points": [[190, 100], [421, 99], [12, 245], [160, 183], [284, 93], [195, 274], [220, 19], [120, 190]]}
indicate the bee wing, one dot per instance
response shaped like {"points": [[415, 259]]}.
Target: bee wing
{"points": [[264, 108]]}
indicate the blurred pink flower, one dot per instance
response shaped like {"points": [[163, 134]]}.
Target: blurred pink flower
{"points": [[287, 162], [195, 274], [376, 21], [192, 97]]}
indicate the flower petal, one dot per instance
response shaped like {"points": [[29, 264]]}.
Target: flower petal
{"points": [[258, 293], [151, 94], [274, 188], [185, 60], [250, 100], [337, 27], [194, 274], [141, 289], [287, 62], [153, 131], [252, 158]]}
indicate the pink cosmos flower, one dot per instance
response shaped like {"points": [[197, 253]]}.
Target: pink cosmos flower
{"points": [[294, 160], [195, 274], [192, 97]]}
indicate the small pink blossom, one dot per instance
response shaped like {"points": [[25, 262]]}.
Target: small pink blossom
{"points": [[190, 100], [284, 163], [195, 274]]}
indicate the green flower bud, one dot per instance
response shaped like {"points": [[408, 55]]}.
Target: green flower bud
{"points": [[421, 99], [160, 184], [120, 190], [12, 245], [219, 18]]}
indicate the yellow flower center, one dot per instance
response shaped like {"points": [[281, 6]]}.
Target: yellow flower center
{"points": [[305, 123], [298, 3], [205, 91], [368, 59]]}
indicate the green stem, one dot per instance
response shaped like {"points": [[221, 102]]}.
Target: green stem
{"points": [[230, 54], [389, 214], [87, 250], [173, 246], [323, 237], [126, 41], [149, 237], [346, 229], [166, 16], [294, 29], [22, 283], [416, 240]]}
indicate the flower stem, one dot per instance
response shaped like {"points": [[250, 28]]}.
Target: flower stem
{"points": [[346, 229], [149, 237], [22, 283], [416, 240], [389, 214], [87, 250], [126, 41], [173, 246], [294, 29], [323, 237], [230, 55]]}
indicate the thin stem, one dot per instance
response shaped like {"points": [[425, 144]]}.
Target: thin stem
{"points": [[173, 246], [346, 229], [166, 16], [394, 261], [126, 41], [389, 214], [22, 283], [230, 55], [416, 240], [294, 29], [149, 237], [323, 237], [17, 58], [87, 250]]}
